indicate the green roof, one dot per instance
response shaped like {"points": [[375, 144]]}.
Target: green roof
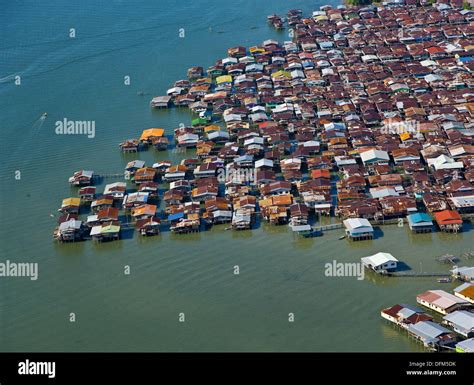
{"points": [[198, 121], [110, 229]]}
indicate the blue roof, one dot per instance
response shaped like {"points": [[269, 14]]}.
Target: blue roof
{"points": [[419, 217], [173, 217]]}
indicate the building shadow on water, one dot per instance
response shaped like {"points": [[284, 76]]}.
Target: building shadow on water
{"points": [[127, 233], [378, 232], [402, 266]]}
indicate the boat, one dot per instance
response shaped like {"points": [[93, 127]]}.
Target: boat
{"points": [[444, 280], [341, 237], [44, 115], [313, 233]]}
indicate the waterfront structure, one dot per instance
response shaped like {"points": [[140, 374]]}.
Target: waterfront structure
{"points": [[149, 135], [130, 145], [144, 211], [441, 301], [70, 206], [465, 291], [148, 226], [448, 220], [404, 315], [101, 203], [135, 199], [221, 216], [116, 190], [81, 178], [183, 225], [144, 175], [364, 115], [431, 334], [106, 232], [380, 262], [466, 346], [358, 229], [87, 194], [107, 214], [161, 102], [69, 231], [242, 219], [420, 223], [464, 273], [461, 321]]}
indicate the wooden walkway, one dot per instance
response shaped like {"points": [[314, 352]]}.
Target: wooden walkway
{"points": [[417, 274], [332, 226], [102, 176]]}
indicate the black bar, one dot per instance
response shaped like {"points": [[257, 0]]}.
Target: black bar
{"points": [[322, 368]]}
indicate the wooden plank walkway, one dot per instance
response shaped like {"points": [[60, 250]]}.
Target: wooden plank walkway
{"points": [[417, 274], [332, 226], [101, 176]]}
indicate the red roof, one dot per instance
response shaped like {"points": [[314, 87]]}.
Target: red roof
{"points": [[315, 174], [433, 50]]}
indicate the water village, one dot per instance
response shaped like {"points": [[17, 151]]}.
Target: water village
{"points": [[366, 116]]}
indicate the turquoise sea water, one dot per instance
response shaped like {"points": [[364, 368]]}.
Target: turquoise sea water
{"points": [[83, 79]]}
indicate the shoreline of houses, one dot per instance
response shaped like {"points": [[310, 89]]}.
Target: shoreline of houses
{"points": [[450, 323], [366, 116]]}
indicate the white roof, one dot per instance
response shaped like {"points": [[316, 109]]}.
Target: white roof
{"points": [[379, 259], [222, 213], [264, 162], [344, 161], [354, 223], [229, 60], [232, 117], [462, 201], [461, 318], [311, 143], [297, 228], [96, 230], [92, 218], [443, 162], [441, 298], [70, 224], [254, 140], [290, 161], [428, 63]]}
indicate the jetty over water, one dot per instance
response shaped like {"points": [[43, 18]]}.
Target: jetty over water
{"points": [[416, 274]]}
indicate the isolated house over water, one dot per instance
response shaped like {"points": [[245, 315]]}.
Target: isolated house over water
{"points": [[380, 262], [358, 228], [420, 223]]}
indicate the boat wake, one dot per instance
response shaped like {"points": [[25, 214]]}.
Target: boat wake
{"points": [[39, 122], [8, 78]]}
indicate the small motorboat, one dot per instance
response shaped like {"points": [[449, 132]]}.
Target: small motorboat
{"points": [[45, 114], [313, 233], [341, 237]]}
